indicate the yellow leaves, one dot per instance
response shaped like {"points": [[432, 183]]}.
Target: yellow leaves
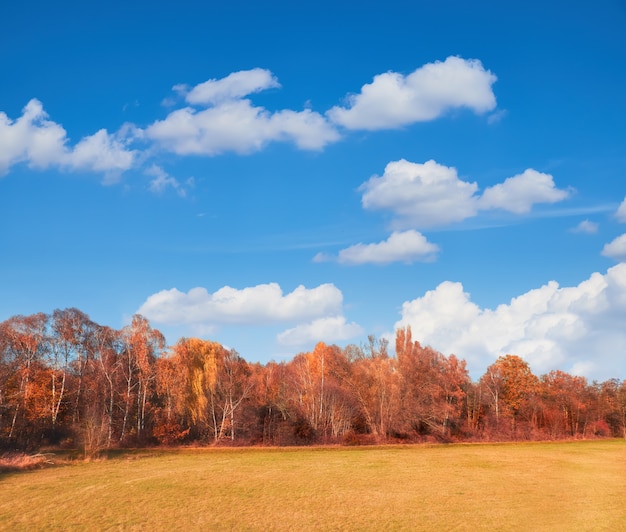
{"points": [[203, 361], [200, 361]]}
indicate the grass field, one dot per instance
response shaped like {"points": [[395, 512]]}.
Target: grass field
{"points": [[534, 486]]}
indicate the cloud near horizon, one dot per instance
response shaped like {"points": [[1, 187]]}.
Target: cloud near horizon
{"points": [[264, 303], [328, 329], [578, 329], [316, 312]]}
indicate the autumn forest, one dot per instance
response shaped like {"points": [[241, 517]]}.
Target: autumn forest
{"points": [[68, 381]]}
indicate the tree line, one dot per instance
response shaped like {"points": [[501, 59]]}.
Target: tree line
{"points": [[68, 381]]}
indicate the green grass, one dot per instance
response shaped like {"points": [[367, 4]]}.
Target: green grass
{"points": [[535, 486]]}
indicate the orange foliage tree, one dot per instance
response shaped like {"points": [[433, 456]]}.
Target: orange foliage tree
{"points": [[64, 379], [432, 387], [512, 390]]}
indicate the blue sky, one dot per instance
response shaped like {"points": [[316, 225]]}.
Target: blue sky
{"points": [[269, 175]]}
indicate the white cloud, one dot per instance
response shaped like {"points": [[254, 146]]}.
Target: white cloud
{"points": [[230, 122], [232, 87], [101, 152], [616, 249], [254, 305], [430, 194], [439, 312], [41, 143], [569, 328], [238, 126], [587, 227], [519, 193], [405, 247], [218, 117], [162, 181], [328, 329], [420, 195], [307, 129], [393, 100], [32, 138], [621, 211]]}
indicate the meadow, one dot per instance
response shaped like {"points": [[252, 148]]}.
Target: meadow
{"points": [[517, 486]]}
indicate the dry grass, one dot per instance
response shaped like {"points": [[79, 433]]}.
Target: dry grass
{"points": [[556, 486], [11, 462]]}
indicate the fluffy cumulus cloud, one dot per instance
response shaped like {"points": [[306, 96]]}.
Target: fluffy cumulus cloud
{"points": [[229, 122], [519, 193], [32, 138], [420, 195], [578, 328], [328, 329], [621, 211], [218, 116], [101, 152], [261, 304], [407, 246], [616, 249], [36, 140], [393, 100], [430, 194]]}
